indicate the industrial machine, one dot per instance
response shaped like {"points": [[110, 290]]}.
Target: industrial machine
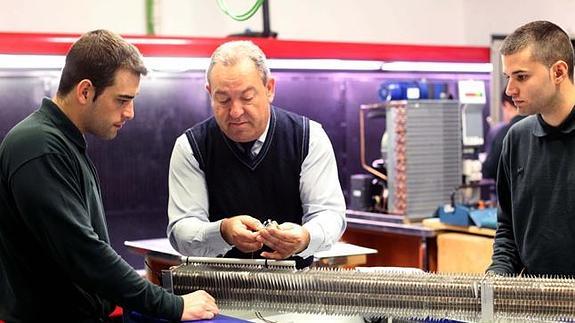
{"points": [[265, 286], [429, 151], [422, 156]]}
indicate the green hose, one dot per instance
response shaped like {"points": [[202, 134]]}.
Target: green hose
{"points": [[150, 17], [241, 17]]}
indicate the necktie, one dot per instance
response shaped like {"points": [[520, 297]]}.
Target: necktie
{"points": [[247, 147]]}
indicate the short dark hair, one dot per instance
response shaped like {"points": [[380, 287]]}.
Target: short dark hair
{"points": [[506, 98], [97, 56], [549, 43]]}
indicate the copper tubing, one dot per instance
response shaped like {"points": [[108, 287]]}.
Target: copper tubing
{"points": [[362, 110]]}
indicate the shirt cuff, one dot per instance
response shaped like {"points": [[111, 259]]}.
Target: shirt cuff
{"points": [[316, 239], [215, 238]]}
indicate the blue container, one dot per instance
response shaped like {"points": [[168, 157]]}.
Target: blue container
{"points": [[403, 91], [454, 215]]}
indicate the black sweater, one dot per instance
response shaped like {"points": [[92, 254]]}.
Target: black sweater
{"points": [[536, 193], [53, 235], [265, 187]]}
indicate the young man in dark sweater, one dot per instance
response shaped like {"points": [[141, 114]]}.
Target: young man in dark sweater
{"points": [[536, 179], [56, 262]]}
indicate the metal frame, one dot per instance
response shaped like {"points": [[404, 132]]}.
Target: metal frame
{"points": [[58, 44]]}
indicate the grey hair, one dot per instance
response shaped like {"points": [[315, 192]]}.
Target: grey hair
{"points": [[230, 53], [549, 43]]}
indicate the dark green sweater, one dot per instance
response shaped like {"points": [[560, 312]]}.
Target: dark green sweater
{"points": [[536, 192], [56, 262]]}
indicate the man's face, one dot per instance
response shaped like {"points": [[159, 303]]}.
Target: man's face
{"points": [[530, 83], [240, 100], [114, 106]]}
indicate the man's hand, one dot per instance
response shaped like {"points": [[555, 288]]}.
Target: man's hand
{"points": [[241, 232], [199, 305], [286, 239]]}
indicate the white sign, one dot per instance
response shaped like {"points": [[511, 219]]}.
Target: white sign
{"points": [[471, 91]]}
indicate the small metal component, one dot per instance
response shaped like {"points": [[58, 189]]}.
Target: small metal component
{"points": [[204, 262], [270, 223], [486, 301]]}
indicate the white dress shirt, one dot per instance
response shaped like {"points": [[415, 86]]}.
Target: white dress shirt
{"points": [[190, 231]]}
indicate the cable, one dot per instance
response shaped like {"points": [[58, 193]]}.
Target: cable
{"points": [[262, 318], [241, 17], [155, 273], [150, 17]]}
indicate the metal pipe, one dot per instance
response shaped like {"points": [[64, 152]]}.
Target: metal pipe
{"points": [[362, 108]]}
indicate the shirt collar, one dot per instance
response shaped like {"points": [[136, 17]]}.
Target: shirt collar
{"points": [[516, 119], [264, 135], [542, 128], [63, 123], [258, 144]]}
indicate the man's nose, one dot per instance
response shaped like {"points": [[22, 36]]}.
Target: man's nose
{"points": [[236, 109], [511, 89], [129, 112]]}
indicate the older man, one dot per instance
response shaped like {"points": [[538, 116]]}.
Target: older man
{"points": [[248, 163]]}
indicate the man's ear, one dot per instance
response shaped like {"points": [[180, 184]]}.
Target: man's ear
{"points": [[271, 89], [208, 88], [84, 91], [560, 71]]}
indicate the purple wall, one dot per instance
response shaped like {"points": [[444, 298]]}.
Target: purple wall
{"points": [[133, 168]]}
